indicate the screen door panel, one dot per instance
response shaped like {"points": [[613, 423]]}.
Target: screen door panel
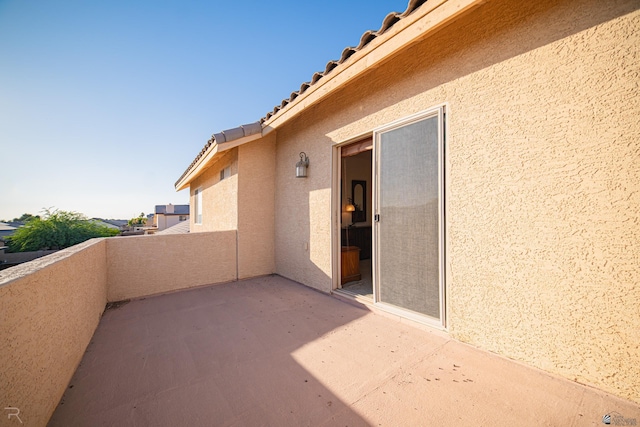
{"points": [[408, 239]]}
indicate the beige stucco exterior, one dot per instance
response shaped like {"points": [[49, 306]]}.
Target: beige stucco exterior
{"points": [[542, 173], [244, 202], [50, 307], [180, 261], [542, 168], [219, 197], [256, 207], [303, 206], [49, 310]]}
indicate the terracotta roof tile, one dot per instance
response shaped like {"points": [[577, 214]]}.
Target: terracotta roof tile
{"points": [[366, 38], [235, 133], [224, 136]]}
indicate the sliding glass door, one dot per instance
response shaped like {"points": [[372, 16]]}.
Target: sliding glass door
{"points": [[408, 229]]}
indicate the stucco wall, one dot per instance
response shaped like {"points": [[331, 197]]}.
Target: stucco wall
{"points": [[49, 309], [303, 205], [219, 198], [544, 202], [256, 182], [542, 172], [147, 265]]}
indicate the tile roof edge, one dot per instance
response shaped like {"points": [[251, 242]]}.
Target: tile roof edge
{"points": [[227, 135], [231, 134], [366, 38]]}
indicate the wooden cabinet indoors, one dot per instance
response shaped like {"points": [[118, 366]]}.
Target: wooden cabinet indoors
{"points": [[350, 264], [360, 237]]}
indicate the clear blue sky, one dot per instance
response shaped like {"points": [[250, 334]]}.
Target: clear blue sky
{"points": [[103, 104]]}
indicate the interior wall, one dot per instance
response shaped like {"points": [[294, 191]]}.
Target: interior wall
{"points": [[542, 171], [358, 168]]}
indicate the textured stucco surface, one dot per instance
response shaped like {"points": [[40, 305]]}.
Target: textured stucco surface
{"points": [[303, 205], [146, 265], [219, 198], [50, 307], [542, 179], [544, 202], [269, 352], [256, 207], [49, 310]]}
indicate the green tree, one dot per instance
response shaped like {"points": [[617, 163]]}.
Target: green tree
{"points": [[140, 220], [24, 218], [56, 230]]}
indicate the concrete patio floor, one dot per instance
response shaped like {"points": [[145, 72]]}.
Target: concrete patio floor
{"points": [[268, 351]]}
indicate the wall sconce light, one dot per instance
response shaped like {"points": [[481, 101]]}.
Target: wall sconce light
{"points": [[301, 166]]}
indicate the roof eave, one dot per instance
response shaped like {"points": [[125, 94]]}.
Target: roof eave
{"points": [[429, 18], [209, 156], [197, 168]]}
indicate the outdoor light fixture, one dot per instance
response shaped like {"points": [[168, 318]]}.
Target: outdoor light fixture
{"points": [[301, 166]]}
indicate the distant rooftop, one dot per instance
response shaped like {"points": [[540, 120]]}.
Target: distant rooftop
{"points": [[6, 227], [116, 222], [180, 228], [172, 209]]}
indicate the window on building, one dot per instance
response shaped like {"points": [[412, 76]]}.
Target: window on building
{"points": [[197, 195], [225, 173]]}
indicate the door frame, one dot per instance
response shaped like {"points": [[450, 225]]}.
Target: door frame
{"points": [[336, 206], [442, 111]]}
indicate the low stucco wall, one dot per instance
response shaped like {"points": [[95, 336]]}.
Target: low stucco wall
{"points": [[50, 307], [146, 265], [49, 310]]}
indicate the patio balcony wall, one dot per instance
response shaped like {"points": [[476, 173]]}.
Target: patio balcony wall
{"points": [[51, 307]]}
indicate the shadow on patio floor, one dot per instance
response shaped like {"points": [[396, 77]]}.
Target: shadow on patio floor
{"points": [[268, 351]]}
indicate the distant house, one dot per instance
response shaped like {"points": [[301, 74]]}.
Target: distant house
{"points": [[472, 165], [180, 228], [119, 223], [106, 223], [166, 216], [6, 230]]}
